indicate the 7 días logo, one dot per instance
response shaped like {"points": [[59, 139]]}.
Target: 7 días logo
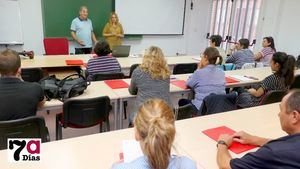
{"points": [[24, 149]]}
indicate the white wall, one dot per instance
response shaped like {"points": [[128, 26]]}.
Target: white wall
{"points": [[32, 26], [279, 18], [192, 42]]}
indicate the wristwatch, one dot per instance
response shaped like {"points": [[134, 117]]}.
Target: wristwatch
{"points": [[222, 142]]}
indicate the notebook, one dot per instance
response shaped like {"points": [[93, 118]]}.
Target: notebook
{"points": [[116, 84], [235, 147], [179, 83], [230, 80], [74, 62], [121, 51]]}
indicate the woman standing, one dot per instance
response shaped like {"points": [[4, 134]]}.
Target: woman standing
{"points": [[267, 52], [113, 31]]}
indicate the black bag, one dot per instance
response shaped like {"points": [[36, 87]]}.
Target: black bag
{"points": [[68, 87]]}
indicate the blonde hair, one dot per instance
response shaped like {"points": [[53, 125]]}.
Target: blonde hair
{"points": [[155, 64], [110, 17], [154, 123]]}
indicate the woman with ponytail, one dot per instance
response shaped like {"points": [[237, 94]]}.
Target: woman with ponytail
{"points": [[283, 66], [267, 52], [207, 79], [155, 130]]}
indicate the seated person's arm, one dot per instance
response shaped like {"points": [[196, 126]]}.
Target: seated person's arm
{"points": [[245, 138], [41, 103], [257, 93], [106, 32], [223, 156], [258, 56]]}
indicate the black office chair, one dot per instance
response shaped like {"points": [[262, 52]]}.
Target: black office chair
{"points": [[108, 76], [184, 68], [185, 112], [32, 74], [83, 113], [132, 67], [29, 127], [272, 97], [296, 83], [298, 62]]}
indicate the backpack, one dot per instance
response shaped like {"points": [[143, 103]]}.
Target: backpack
{"points": [[70, 86]]}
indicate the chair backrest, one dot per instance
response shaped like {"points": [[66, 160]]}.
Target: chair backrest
{"points": [[86, 112], [132, 67], [56, 46], [121, 51], [32, 74], [30, 127], [252, 65], [185, 112], [298, 62], [184, 68], [108, 76], [296, 83], [227, 66], [272, 97]]}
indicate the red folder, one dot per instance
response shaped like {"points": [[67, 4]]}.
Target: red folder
{"points": [[179, 83], [230, 80], [116, 84], [235, 147], [74, 62]]}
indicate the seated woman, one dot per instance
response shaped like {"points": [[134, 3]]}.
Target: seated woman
{"points": [[207, 79], [242, 54], [283, 67], [102, 63], [155, 130], [267, 52], [151, 79]]}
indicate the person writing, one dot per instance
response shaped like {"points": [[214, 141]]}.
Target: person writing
{"points": [[113, 31], [154, 128], [18, 99], [82, 32], [272, 154]]}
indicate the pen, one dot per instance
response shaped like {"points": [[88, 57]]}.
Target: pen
{"points": [[250, 77]]}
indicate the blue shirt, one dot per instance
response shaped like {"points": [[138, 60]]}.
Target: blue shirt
{"points": [[240, 57], [277, 154], [83, 29], [205, 81], [142, 163]]}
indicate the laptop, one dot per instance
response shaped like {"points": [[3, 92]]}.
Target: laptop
{"points": [[121, 51]]}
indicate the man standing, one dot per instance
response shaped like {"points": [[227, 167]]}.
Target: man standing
{"points": [[82, 32], [273, 154], [18, 99]]}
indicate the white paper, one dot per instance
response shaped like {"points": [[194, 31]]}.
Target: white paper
{"points": [[131, 150], [241, 78], [197, 58]]}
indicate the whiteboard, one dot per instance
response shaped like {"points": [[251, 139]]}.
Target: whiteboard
{"points": [[10, 19], [151, 16]]}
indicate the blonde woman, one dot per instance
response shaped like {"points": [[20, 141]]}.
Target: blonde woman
{"points": [[113, 31], [151, 79], [155, 130]]}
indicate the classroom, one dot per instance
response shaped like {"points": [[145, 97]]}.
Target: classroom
{"points": [[162, 84]]}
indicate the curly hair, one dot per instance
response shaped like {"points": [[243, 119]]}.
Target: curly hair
{"points": [[155, 64]]}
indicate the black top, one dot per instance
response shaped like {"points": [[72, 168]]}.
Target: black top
{"points": [[18, 99], [277, 154]]}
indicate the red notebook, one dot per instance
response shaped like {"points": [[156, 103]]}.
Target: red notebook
{"points": [[74, 62], [230, 80], [235, 147], [179, 83], [116, 84]]}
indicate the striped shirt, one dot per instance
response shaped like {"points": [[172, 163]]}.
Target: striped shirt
{"points": [[270, 83], [267, 54], [240, 57], [142, 163], [102, 64]]}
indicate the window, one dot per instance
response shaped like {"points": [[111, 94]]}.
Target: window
{"points": [[234, 19]]}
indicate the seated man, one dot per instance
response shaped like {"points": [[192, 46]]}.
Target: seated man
{"points": [[280, 153], [215, 42], [18, 99]]}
